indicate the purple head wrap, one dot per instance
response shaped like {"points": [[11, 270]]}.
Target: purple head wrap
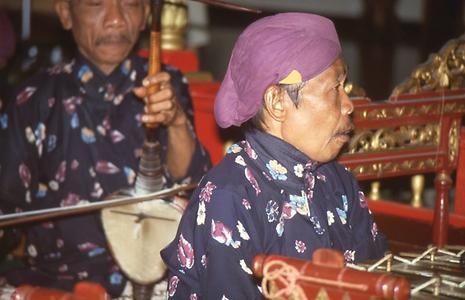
{"points": [[268, 51]]}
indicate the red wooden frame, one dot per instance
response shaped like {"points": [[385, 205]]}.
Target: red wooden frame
{"points": [[460, 178], [444, 109], [82, 291]]}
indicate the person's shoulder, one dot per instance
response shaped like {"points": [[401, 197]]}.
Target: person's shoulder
{"points": [[229, 173], [42, 83], [222, 191]]}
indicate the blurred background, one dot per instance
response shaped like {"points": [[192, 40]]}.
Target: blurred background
{"points": [[383, 40]]}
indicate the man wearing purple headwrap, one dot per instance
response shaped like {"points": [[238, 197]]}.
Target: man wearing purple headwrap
{"points": [[279, 191]]}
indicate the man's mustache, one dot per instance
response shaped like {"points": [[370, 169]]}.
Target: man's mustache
{"points": [[113, 39], [346, 130]]}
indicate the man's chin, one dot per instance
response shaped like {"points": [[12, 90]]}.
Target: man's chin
{"points": [[113, 52], [110, 60], [330, 155]]}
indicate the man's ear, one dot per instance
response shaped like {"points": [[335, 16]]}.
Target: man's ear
{"points": [[63, 10], [146, 8], [274, 103]]}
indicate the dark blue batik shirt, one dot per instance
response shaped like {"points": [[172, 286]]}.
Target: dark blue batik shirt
{"points": [[72, 135], [265, 197]]}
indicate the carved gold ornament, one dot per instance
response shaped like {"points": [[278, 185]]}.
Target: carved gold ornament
{"points": [[378, 169], [453, 141], [322, 295], [354, 90], [394, 138], [387, 113], [442, 70]]}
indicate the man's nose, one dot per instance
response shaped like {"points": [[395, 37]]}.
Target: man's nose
{"points": [[347, 106], [114, 16]]}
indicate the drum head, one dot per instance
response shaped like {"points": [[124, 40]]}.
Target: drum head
{"points": [[137, 233]]}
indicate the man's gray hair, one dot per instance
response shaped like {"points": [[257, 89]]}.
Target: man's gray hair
{"points": [[293, 91]]}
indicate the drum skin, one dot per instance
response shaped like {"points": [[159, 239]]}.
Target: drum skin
{"points": [[138, 232]]}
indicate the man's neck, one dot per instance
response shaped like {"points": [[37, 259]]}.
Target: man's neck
{"points": [[105, 69]]}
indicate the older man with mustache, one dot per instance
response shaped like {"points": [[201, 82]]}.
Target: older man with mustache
{"points": [[279, 191], [73, 134]]}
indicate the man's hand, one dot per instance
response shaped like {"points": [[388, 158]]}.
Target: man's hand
{"points": [[161, 106]]}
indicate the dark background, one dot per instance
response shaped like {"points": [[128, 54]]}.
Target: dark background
{"points": [[381, 47]]}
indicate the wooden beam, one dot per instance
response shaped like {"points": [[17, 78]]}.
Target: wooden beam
{"points": [[37, 6]]}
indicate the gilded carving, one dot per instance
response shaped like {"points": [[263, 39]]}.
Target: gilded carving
{"points": [[453, 141], [394, 138], [443, 178], [378, 169], [454, 107], [442, 70], [346, 296], [410, 111], [322, 295], [352, 89]]}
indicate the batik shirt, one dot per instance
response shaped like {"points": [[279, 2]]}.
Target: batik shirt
{"points": [[265, 197], [72, 135]]}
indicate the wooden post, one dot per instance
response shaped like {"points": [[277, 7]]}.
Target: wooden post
{"points": [[442, 183], [460, 180]]}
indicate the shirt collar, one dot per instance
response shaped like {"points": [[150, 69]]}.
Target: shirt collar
{"points": [[279, 160], [95, 83]]}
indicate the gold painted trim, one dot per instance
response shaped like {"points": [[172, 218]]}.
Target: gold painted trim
{"points": [[394, 138], [410, 111], [454, 141], [379, 169]]}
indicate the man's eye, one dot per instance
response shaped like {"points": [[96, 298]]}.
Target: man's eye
{"points": [[132, 2], [93, 2]]}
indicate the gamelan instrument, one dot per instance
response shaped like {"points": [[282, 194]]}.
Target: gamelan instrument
{"points": [[82, 291], [136, 233], [325, 277], [433, 274], [436, 273]]}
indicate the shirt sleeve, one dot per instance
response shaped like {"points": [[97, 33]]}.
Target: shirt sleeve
{"points": [[9, 236], [200, 161], [212, 254], [19, 151]]}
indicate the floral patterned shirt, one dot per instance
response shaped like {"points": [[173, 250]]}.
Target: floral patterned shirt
{"points": [[73, 135], [265, 197]]}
